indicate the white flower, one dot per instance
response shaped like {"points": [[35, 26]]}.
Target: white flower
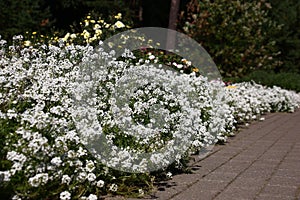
{"points": [[71, 154], [65, 195], [151, 57], [92, 197], [179, 66], [6, 175], [113, 187], [169, 175], [56, 161], [91, 177], [100, 183], [90, 166], [82, 176], [39, 179], [73, 36], [66, 179], [16, 197], [141, 192]]}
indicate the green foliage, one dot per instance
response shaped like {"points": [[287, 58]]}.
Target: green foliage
{"points": [[235, 34], [108, 7], [285, 80], [288, 39], [17, 17], [67, 12]]}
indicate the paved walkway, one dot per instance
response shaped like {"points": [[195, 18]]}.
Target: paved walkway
{"points": [[260, 162]]}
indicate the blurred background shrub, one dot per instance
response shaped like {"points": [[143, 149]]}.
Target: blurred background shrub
{"points": [[285, 80], [235, 33]]}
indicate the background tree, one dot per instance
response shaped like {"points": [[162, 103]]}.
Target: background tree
{"points": [[19, 16], [235, 33], [173, 17], [288, 39]]}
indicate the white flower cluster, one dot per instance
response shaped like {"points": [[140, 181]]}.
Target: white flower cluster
{"points": [[250, 100], [51, 108]]}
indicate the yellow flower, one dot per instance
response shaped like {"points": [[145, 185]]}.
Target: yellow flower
{"points": [[231, 86], [96, 26], [34, 33], [27, 43], [85, 34], [66, 37], [195, 70], [119, 24], [118, 16], [86, 22], [98, 32], [186, 62], [90, 40]]}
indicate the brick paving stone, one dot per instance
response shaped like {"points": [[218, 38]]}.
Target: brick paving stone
{"points": [[199, 195], [228, 152], [287, 173], [234, 166], [274, 197], [237, 193], [204, 189], [243, 157], [221, 176], [253, 182], [290, 166], [284, 181], [262, 161], [273, 155], [185, 179], [256, 174], [283, 191]]}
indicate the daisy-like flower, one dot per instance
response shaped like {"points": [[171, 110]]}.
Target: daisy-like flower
{"points": [[66, 179], [91, 177], [100, 183], [39, 179], [113, 187], [65, 195]]}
